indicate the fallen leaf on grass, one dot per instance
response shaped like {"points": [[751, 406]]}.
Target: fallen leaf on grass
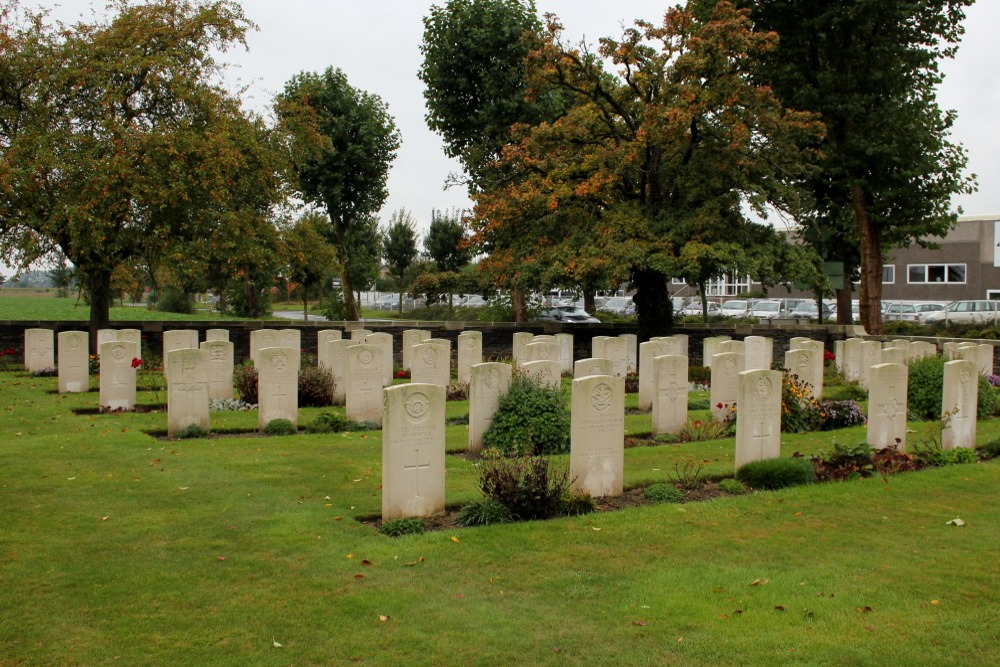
{"points": [[337, 518], [183, 488], [737, 611], [383, 618], [459, 597], [359, 576], [349, 556], [759, 582], [105, 518], [780, 607], [935, 601], [220, 558], [455, 539], [640, 623], [275, 644], [366, 562], [595, 528], [723, 616], [955, 522]]}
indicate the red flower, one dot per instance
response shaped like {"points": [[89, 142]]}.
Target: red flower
{"points": [[718, 405], [829, 356], [697, 423], [136, 362], [401, 374]]}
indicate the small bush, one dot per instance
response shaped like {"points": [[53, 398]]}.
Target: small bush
{"points": [[230, 405], [245, 381], [174, 300], [663, 493], [315, 387], [697, 404], [776, 473], [800, 411], [457, 391], [328, 422], [841, 414], [399, 527], [929, 453], [191, 431], [699, 430], [990, 450], [279, 427], [700, 375], [574, 504], [531, 419], [687, 476], [844, 462], [334, 308], [732, 486], [484, 513], [925, 389], [891, 461], [527, 486]]}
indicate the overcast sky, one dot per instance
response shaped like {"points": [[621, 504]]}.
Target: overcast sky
{"points": [[376, 43]]}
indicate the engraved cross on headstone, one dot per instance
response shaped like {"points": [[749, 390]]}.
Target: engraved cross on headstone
{"points": [[762, 436], [416, 468]]}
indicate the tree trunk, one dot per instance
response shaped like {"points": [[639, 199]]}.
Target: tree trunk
{"points": [[451, 305], [401, 303], [871, 265], [844, 315], [520, 306], [588, 301], [305, 304], [99, 286], [652, 304], [704, 302]]}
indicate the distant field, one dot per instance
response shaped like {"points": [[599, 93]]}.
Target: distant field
{"points": [[36, 305]]}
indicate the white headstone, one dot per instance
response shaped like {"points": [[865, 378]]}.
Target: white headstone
{"points": [[871, 355], [852, 359], [216, 334], [290, 338], [545, 373], [840, 359], [383, 341], [597, 347], [187, 390], [470, 353], [260, 339], [758, 352], [597, 435], [117, 375], [488, 383], [796, 342], [799, 362], [219, 354], [959, 404], [920, 349], [74, 362], [887, 406], [39, 349], [277, 385], [178, 339], [518, 341], [337, 356], [365, 374], [323, 338], [676, 345], [131, 336], [413, 451], [106, 336], [541, 351], [430, 362], [758, 420], [647, 352], [670, 393], [984, 358], [710, 348], [632, 351], [412, 337], [565, 342], [726, 368], [616, 350], [817, 360], [358, 335], [736, 346], [894, 355], [592, 366]]}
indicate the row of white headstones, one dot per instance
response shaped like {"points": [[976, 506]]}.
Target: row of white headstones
{"points": [[412, 415]]}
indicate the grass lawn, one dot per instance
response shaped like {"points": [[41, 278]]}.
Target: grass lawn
{"points": [[117, 547]]}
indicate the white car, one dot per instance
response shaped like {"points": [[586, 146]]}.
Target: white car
{"points": [[736, 308], [979, 312], [769, 310], [694, 309]]}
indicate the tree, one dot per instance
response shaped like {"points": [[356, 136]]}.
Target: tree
{"points": [[365, 243], [889, 171], [308, 255], [399, 246], [341, 142], [116, 141], [659, 159], [446, 245]]}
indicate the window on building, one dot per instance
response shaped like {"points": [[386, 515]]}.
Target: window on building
{"points": [[888, 274], [677, 281], [935, 273]]}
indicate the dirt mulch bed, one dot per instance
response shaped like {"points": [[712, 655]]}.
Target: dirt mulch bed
{"points": [[142, 408]]}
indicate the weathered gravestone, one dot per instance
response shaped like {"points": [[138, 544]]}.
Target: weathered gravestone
{"points": [[431, 362], [323, 338], [544, 373], [959, 404], [758, 420], [187, 390], [887, 406], [852, 359], [541, 351], [631, 351], [710, 348], [894, 355], [796, 342], [337, 358], [261, 338], [413, 451], [597, 347], [177, 339], [290, 338], [518, 341], [358, 335], [597, 435], [383, 341], [412, 337], [616, 350], [647, 352], [726, 368], [216, 334], [565, 342], [39, 349], [871, 355], [131, 336], [277, 385], [117, 375], [74, 362], [799, 362], [470, 353], [838, 355], [670, 393], [736, 346], [592, 366], [676, 345], [488, 383], [920, 349], [365, 375], [106, 336], [984, 358], [219, 355], [758, 353]]}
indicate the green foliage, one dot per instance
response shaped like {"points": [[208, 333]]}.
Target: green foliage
{"points": [[844, 462], [328, 422], [280, 427], [700, 375], [686, 476], [444, 241], [308, 255], [174, 300], [574, 504], [315, 387], [663, 493], [732, 486], [990, 450], [245, 381], [484, 513], [528, 486], [531, 419], [925, 390], [800, 411], [697, 403], [191, 431], [779, 473], [930, 453], [699, 430], [400, 527], [399, 246], [334, 308]]}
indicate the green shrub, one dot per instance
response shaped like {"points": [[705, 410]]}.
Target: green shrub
{"points": [[663, 493], [315, 387], [844, 462], [686, 476], [574, 504], [990, 450], [800, 411], [700, 430], [527, 486], [279, 427], [776, 473], [329, 422], [733, 486], [334, 308], [929, 453], [925, 389], [174, 300], [399, 527], [531, 419], [700, 375], [484, 513], [245, 381], [697, 404], [191, 431]]}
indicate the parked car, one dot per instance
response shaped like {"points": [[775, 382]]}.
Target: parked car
{"points": [[908, 312], [472, 301], [694, 309], [736, 308], [386, 302], [964, 311], [809, 310], [770, 309], [617, 305], [570, 314]]}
